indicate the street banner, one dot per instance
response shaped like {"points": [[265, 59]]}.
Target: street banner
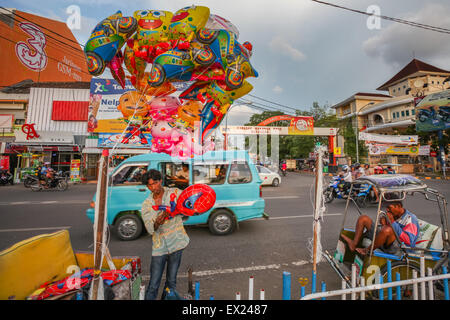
{"points": [[75, 165], [4, 162], [433, 112], [375, 149], [380, 138], [275, 119], [301, 126]]}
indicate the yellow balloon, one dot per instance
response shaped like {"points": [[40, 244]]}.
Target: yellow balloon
{"points": [[153, 26], [185, 22]]}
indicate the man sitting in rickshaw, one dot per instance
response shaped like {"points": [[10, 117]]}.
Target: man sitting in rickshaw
{"points": [[402, 222]]}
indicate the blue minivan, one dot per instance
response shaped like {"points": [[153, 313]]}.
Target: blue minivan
{"points": [[232, 175]]}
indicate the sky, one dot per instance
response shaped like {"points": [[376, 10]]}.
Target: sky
{"points": [[304, 51]]}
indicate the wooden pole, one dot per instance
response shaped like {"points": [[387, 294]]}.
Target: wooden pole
{"points": [[100, 222]]}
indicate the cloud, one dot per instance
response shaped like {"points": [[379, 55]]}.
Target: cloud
{"points": [[397, 44], [278, 44], [277, 89]]}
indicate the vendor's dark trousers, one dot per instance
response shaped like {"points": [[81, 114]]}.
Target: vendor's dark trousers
{"points": [[157, 266]]}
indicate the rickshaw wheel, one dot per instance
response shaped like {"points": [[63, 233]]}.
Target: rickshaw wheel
{"points": [[402, 268]]}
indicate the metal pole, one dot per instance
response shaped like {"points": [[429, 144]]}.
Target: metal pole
{"points": [[286, 285], [356, 137], [250, 288]]}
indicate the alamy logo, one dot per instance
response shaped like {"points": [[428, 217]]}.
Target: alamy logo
{"points": [[374, 21]]}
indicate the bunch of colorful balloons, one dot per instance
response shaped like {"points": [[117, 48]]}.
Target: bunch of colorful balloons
{"points": [[191, 46]]}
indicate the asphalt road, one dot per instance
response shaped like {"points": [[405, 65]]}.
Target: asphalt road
{"points": [[222, 264]]}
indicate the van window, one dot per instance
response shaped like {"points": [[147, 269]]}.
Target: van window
{"points": [[240, 173], [130, 174], [175, 174], [210, 173]]}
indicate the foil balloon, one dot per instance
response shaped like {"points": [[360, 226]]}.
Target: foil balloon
{"points": [[135, 111], [186, 21], [194, 200], [106, 40], [164, 108], [191, 47]]}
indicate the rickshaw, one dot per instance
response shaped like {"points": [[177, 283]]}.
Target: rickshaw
{"points": [[433, 242]]}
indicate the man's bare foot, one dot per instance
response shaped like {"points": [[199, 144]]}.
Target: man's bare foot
{"points": [[362, 251], [349, 241]]}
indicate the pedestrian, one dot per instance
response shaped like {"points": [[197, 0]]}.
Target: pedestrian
{"points": [[168, 235]]}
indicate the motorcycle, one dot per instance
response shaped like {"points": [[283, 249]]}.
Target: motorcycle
{"points": [[441, 115], [6, 178], [283, 172], [59, 182], [29, 179], [335, 190], [365, 196]]}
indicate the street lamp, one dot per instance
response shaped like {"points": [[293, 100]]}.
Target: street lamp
{"points": [[357, 130]]}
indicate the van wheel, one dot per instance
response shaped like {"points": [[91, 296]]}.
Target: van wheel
{"points": [[275, 182], [128, 227], [221, 223]]}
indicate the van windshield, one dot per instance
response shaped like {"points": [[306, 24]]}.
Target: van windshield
{"points": [[210, 173]]}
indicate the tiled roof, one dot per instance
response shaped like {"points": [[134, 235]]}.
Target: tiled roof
{"points": [[411, 68]]}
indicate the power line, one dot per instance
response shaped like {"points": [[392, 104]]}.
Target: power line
{"points": [[281, 105], [39, 25], [407, 22]]}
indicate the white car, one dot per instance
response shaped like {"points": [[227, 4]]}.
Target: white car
{"points": [[268, 177]]}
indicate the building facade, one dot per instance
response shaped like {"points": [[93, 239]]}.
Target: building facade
{"points": [[393, 113]]}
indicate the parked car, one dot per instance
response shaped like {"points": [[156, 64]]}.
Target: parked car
{"points": [[232, 175], [268, 177]]}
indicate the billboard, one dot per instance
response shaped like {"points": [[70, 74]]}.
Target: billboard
{"points": [[301, 126], [433, 112], [39, 49]]}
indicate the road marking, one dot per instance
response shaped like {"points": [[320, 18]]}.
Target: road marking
{"points": [[44, 202], [281, 197], [205, 273], [33, 229], [294, 217]]}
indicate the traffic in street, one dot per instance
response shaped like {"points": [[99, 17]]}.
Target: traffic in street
{"points": [[262, 248]]}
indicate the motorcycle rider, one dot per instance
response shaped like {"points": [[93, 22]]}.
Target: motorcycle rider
{"points": [[283, 168], [346, 175]]}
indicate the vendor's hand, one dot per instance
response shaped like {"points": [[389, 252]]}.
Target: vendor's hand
{"points": [[161, 219], [390, 216]]}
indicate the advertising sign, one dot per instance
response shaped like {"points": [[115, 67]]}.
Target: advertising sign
{"points": [[375, 149], [75, 165], [433, 112], [381, 138], [301, 126], [110, 140], [39, 49]]}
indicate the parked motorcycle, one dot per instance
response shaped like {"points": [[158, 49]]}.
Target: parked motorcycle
{"points": [[365, 196], [430, 113], [6, 178], [59, 182], [335, 190]]}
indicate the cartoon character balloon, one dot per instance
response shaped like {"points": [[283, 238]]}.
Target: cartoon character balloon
{"points": [[188, 46], [193, 201]]}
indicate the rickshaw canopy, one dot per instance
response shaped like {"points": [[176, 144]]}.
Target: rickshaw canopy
{"points": [[393, 182]]}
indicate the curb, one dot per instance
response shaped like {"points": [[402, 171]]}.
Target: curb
{"points": [[417, 177]]}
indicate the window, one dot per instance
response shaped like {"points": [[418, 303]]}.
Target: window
{"points": [[175, 175], [407, 113], [130, 174], [240, 173], [413, 111], [393, 115], [398, 115], [403, 113], [210, 173]]}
